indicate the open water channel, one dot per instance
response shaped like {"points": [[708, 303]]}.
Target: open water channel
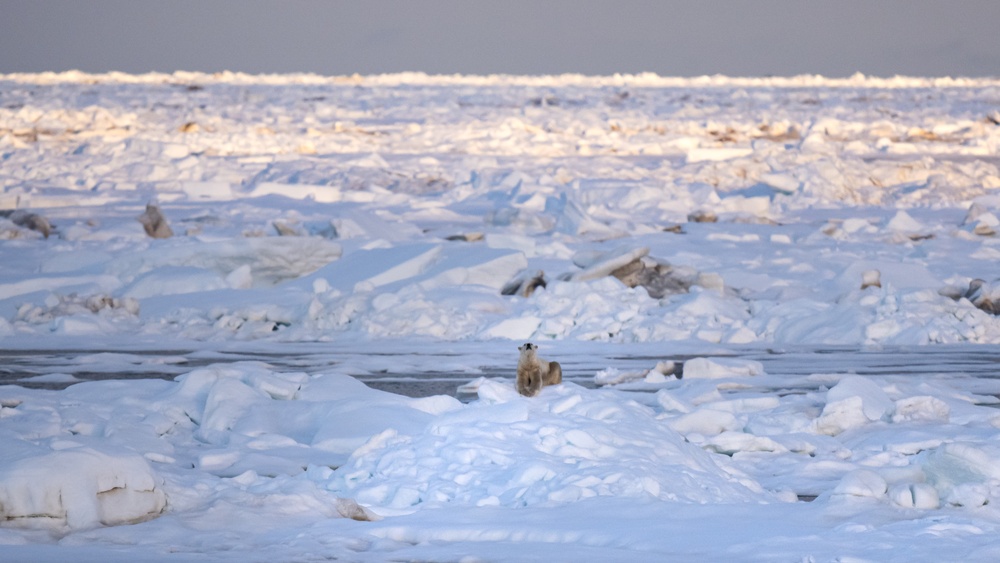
{"points": [[420, 370]]}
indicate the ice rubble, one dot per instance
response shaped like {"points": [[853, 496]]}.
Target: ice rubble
{"points": [[811, 189]]}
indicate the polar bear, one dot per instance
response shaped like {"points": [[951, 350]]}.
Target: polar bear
{"points": [[533, 372]]}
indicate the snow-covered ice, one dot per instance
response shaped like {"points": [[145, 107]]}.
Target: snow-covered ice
{"points": [[660, 237]]}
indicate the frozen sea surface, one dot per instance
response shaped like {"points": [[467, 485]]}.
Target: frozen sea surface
{"points": [[311, 357]]}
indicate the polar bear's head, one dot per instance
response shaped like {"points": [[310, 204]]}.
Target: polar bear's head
{"points": [[528, 350]]}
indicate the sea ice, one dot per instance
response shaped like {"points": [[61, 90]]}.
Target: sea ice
{"points": [[378, 219]]}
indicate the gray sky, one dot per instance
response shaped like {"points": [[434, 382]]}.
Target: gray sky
{"points": [[668, 37]]}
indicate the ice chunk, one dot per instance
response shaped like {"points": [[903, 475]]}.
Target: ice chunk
{"points": [[217, 191], [321, 194], [838, 416], [984, 295], [921, 409], [477, 266], [871, 278], [717, 154], [349, 508], [702, 216], [915, 495], [436, 404], [747, 404], [28, 220], [856, 224], [671, 403], [80, 488], [902, 222], [51, 378], [174, 281], [853, 402], [899, 274], [862, 483], [614, 376], [470, 386], [956, 465], [497, 391], [573, 219], [731, 442], [781, 182], [379, 266], [707, 422], [972, 495], [369, 225], [609, 262], [524, 283], [718, 368], [81, 325], [240, 278], [876, 404]]}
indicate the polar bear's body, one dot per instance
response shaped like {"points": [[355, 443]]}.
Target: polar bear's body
{"points": [[533, 373]]}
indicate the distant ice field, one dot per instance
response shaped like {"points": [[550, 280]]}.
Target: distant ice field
{"points": [[305, 208]]}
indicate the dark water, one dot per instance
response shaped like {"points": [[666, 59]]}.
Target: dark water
{"points": [[440, 370], [58, 369]]}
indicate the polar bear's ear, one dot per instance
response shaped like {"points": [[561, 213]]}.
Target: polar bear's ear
{"points": [[520, 348]]}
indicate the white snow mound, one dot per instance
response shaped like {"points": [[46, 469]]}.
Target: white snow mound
{"points": [[565, 445]]}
